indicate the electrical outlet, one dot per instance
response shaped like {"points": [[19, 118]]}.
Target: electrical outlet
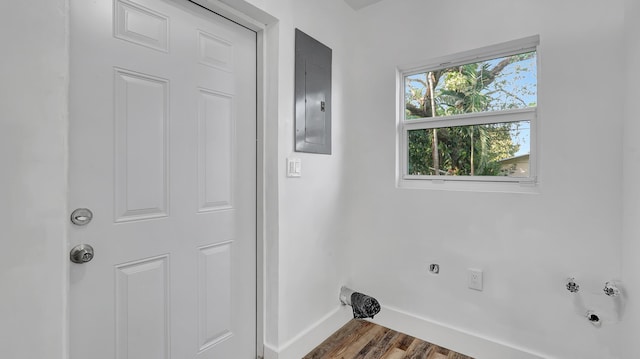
{"points": [[474, 278]]}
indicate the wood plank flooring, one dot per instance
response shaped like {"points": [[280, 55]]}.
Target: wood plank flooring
{"points": [[364, 340]]}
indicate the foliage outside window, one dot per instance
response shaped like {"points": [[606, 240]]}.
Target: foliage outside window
{"points": [[471, 119]]}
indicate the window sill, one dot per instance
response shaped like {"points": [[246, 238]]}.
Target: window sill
{"points": [[469, 186]]}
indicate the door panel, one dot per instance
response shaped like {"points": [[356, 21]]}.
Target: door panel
{"points": [[162, 150], [142, 298], [141, 146], [215, 147], [214, 291]]}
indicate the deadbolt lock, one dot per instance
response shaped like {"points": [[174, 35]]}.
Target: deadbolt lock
{"points": [[81, 216]]}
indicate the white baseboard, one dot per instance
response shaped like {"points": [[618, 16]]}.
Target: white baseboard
{"points": [[303, 343], [270, 352], [451, 338], [438, 333]]}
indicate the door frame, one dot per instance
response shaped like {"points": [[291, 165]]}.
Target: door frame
{"points": [[255, 19]]}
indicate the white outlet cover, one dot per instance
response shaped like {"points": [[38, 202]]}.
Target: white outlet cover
{"points": [[474, 279]]}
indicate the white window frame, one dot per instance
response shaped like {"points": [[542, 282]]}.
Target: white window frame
{"points": [[480, 183]]}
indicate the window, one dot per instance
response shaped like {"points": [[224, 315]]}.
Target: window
{"points": [[471, 116]]}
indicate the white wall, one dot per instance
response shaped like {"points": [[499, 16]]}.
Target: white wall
{"points": [[310, 239], [527, 244], [33, 128], [304, 248], [344, 220], [631, 171]]}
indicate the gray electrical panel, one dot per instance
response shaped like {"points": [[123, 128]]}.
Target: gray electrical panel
{"points": [[313, 95]]}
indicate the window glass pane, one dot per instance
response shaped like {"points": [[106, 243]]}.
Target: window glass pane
{"points": [[503, 83], [498, 149]]}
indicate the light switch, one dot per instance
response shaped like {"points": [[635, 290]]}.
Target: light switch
{"points": [[294, 167]]}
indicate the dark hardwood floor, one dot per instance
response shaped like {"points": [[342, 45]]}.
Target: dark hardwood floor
{"points": [[364, 340]]}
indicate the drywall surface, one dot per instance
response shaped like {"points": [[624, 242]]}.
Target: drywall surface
{"points": [[631, 178], [311, 241], [527, 244], [33, 115]]}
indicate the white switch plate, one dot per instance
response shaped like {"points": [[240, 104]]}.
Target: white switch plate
{"points": [[474, 279], [294, 167]]}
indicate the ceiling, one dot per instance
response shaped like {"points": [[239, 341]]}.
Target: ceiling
{"points": [[359, 4]]}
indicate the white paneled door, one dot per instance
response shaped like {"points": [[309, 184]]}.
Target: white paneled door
{"points": [[163, 153]]}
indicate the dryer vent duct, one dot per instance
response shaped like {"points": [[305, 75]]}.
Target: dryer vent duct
{"points": [[363, 305]]}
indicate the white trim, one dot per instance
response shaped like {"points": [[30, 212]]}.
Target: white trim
{"points": [[312, 336], [240, 12], [481, 54], [260, 189], [270, 352], [459, 340], [467, 119], [522, 187], [429, 330]]}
